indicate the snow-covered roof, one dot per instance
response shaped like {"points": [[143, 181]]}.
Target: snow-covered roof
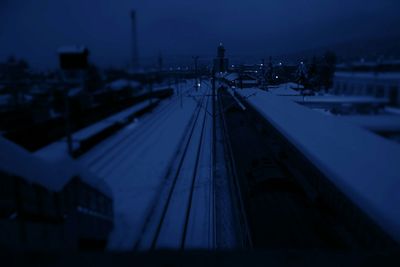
{"points": [[378, 123], [285, 89], [363, 165], [333, 99], [53, 175], [74, 91], [249, 81], [122, 84], [392, 110], [72, 49], [58, 149], [369, 75], [231, 77], [5, 99]]}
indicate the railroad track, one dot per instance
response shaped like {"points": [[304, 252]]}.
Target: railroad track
{"points": [[172, 223], [244, 231], [124, 144]]}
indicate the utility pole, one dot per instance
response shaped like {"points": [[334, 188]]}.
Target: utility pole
{"points": [[178, 90], [151, 90], [196, 58], [68, 127]]}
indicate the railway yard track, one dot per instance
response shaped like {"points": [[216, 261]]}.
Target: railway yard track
{"points": [[182, 217]]}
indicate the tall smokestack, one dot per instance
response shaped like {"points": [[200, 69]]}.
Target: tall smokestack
{"points": [[135, 53]]}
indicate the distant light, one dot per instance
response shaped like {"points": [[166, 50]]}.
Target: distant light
{"points": [[302, 63], [262, 64], [276, 77], [256, 71], [233, 66], [280, 63], [199, 84]]}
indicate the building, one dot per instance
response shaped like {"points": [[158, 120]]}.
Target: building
{"points": [[52, 205], [240, 80], [380, 85], [220, 62], [380, 80]]}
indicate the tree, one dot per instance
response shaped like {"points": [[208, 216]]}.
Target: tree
{"points": [[301, 74], [327, 71], [269, 73], [16, 74], [93, 81], [313, 81]]}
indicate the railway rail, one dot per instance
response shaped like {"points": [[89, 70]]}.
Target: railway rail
{"points": [[186, 194], [148, 125]]}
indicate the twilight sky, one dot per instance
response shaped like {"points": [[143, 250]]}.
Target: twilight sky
{"points": [[34, 29]]}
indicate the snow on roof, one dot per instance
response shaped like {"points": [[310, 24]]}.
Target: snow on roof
{"points": [[249, 81], [392, 110], [285, 89], [231, 77], [74, 91], [345, 99], [122, 84], [59, 149], [74, 49], [364, 166], [377, 123], [53, 175], [5, 99], [369, 75], [101, 125]]}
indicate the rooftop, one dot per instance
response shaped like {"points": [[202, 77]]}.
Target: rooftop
{"points": [[344, 153]]}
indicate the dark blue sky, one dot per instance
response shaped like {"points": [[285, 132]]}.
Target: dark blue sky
{"points": [[34, 29]]}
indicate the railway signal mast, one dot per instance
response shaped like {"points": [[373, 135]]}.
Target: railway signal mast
{"points": [[197, 82]]}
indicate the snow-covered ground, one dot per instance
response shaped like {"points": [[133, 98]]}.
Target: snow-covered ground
{"points": [[363, 165], [134, 164]]}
